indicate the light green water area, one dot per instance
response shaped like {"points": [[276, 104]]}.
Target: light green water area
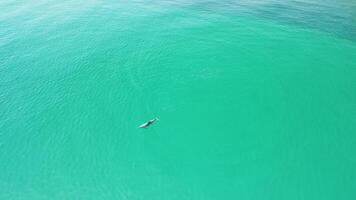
{"points": [[257, 99]]}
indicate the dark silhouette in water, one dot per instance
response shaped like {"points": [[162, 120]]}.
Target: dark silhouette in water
{"points": [[146, 124]]}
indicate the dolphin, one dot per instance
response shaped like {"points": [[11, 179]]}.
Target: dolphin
{"points": [[146, 124]]}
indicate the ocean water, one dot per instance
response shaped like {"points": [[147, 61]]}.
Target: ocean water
{"points": [[257, 99]]}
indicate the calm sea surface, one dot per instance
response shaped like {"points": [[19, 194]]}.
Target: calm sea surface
{"points": [[257, 99]]}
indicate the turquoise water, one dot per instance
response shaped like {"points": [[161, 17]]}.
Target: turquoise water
{"points": [[257, 99]]}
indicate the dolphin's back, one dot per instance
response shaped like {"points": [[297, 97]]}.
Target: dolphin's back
{"points": [[146, 124]]}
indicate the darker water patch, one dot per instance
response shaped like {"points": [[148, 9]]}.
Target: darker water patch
{"points": [[334, 17]]}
